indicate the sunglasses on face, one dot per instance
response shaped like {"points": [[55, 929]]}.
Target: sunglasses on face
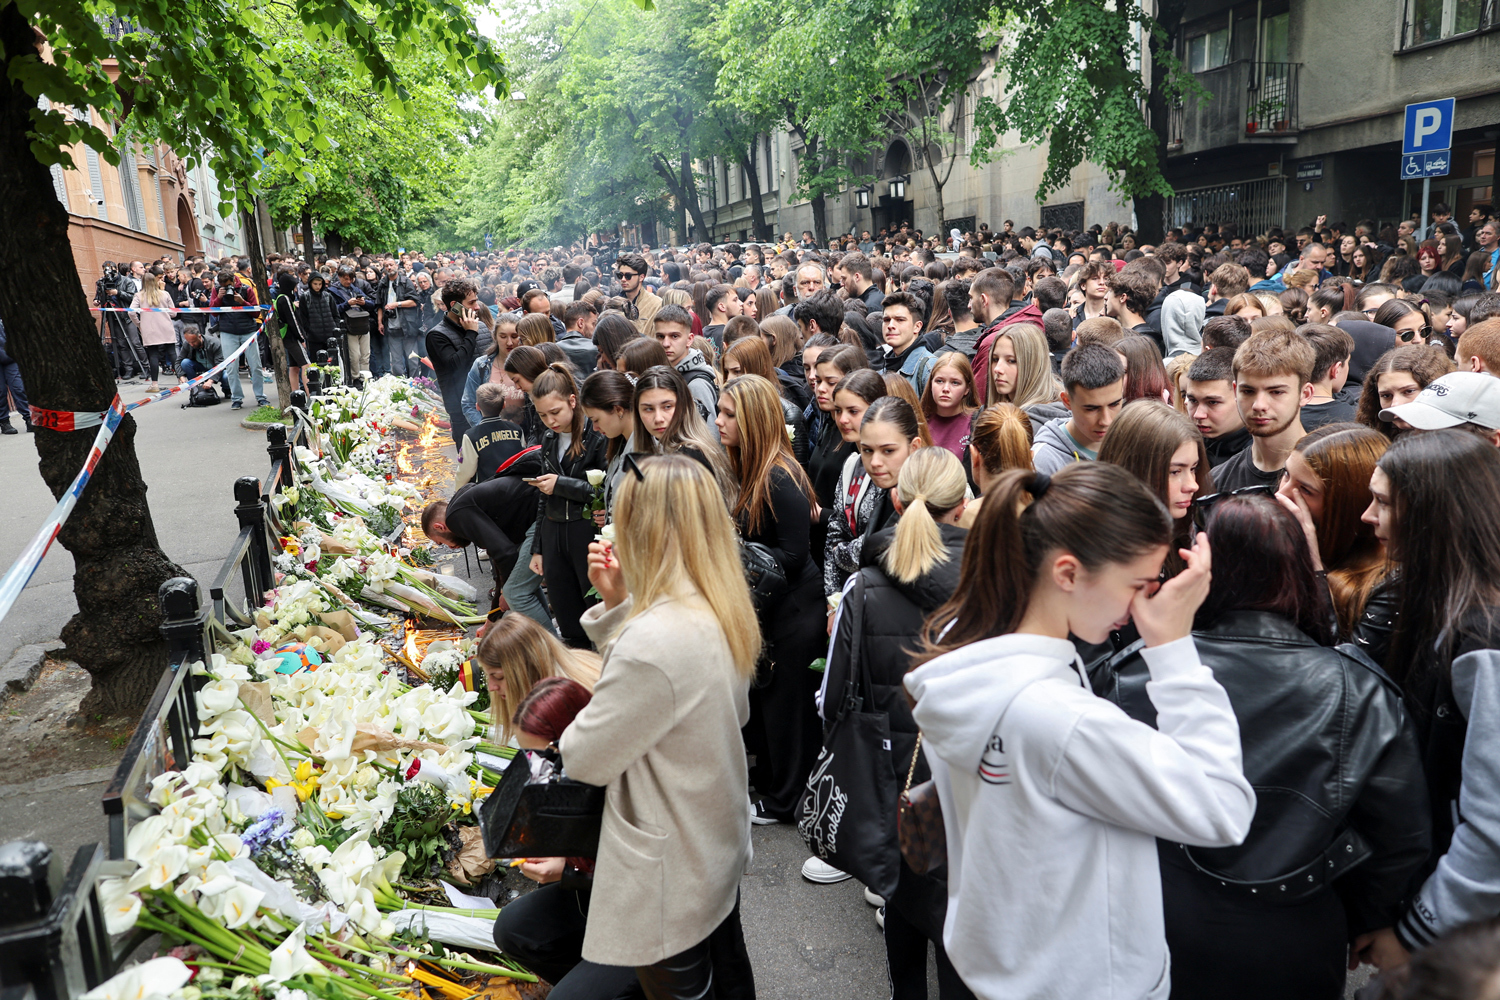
{"points": [[626, 275], [1407, 336], [1203, 506]]}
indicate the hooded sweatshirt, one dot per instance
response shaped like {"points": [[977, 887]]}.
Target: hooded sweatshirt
{"points": [[704, 389], [1055, 448], [1182, 319], [1052, 799]]}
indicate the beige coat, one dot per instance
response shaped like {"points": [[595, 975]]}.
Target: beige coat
{"points": [[663, 734], [647, 305]]}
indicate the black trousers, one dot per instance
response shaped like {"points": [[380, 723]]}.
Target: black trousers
{"points": [[716, 968], [908, 928], [1226, 947], [564, 546], [543, 930], [783, 732]]}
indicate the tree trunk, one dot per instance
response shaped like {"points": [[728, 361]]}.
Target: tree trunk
{"points": [[1150, 209], [118, 563], [307, 234], [757, 210], [267, 295], [690, 198], [819, 203]]}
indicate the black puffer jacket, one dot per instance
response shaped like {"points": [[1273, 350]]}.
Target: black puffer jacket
{"points": [[1332, 755], [892, 621], [319, 317], [572, 492]]}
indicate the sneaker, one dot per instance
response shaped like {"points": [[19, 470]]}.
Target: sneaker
{"points": [[817, 870], [759, 816], [872, 898], [153, 387], [6, 428], [236, 404], [880, 918], [262, 401]]}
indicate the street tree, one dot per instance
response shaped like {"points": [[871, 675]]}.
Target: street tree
{"points": [[205, 78]]}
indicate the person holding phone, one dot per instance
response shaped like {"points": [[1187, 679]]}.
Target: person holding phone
{"points": [[451, 346]]}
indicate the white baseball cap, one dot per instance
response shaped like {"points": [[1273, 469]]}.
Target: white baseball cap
{"points": [[1456, 398]]}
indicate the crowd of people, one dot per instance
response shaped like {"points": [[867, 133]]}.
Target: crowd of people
{"points": [[1172, 568]]}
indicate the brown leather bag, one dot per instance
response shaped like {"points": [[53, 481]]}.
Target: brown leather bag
{"points": [[919, 823]]}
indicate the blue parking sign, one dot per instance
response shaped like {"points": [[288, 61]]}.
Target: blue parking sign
{"points": [[1429, 127]]}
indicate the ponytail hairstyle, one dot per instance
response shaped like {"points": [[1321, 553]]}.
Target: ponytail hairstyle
{"points": [[959, 362], [550, 707], [897, 412], [931, 483], [557, 380], [1001, 439], [609, 390], [896, 385], [1095, 511]]}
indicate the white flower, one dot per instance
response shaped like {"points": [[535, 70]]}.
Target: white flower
{"points": [[595, 477], [217, 697], [607, 533], [290, 959], [791, 432], [157, 978], [240, 903], [121, 907]]}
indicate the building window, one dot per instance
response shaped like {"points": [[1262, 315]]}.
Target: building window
{"points": [[130, 189], [59, 185], [1209, 50], [1433, 20], [96, 184]]}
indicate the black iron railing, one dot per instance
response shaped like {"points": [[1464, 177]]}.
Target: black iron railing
{"points": [[1272, 104]]}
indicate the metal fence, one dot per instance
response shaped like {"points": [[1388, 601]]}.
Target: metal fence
{"points": [[1251, 207]]}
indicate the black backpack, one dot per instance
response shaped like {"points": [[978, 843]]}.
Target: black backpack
{"points": [[703, 375], [203, 394]]}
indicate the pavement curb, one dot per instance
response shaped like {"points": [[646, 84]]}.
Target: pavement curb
{"points": [[260, 425], [21, 670]]}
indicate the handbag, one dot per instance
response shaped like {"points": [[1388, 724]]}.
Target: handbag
{"points": [[764, 574], [847, 814], [919, 823], [552, 817]]}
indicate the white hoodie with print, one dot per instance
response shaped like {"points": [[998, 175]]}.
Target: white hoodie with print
{"points": [[1052, 799]]}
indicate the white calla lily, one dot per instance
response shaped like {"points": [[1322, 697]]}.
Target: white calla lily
{"points": [[153, 980]]}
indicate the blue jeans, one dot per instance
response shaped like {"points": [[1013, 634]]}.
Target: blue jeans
{"points": [[378, 365], [10, 385], [523, 588], [232, 342], [191, 369]]}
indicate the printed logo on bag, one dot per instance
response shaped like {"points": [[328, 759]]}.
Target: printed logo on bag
{"points": [[994, 766], [823, 810]]}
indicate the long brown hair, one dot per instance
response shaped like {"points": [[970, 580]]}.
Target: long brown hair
{"points": [[764, 447], [1096, 511], [535, 328], [1142, 441], [753, 356], [557, 380], [959, 362], [1343, 456], [787, 335]]}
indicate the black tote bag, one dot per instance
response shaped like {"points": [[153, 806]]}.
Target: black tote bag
{"points": [[557, 818], [847, 814]]}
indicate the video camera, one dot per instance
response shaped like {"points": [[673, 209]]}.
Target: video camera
{"points": [[106, 287]]}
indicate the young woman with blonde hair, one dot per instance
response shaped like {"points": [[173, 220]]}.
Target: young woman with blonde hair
{"points": [[157, 333], [749, 356], [662, 732], [907, 571], [535, 328], [999, 440], [1021, 368], [774, 509], [515, 653]]}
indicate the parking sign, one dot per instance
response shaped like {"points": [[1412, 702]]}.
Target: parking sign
{"points": [[1429, 127]]}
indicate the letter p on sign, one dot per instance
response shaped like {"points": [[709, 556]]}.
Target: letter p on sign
{"points": [[1429, 126]]}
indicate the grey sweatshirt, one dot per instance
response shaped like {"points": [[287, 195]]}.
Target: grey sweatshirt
{"points": [[1053, 448]]}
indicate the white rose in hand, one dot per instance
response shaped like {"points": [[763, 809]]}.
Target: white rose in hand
{"points": [[595, 477]]}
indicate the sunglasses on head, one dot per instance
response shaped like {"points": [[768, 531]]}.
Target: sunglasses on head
{"points": [[1203, 506]]}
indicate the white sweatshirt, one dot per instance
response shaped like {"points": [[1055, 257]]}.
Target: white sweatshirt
{"points": [[1052, 799]]}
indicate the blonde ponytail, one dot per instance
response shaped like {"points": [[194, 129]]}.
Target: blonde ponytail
{"points": [[931, 483]]}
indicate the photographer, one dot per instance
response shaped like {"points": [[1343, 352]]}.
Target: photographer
{"points": [[117, 291], [201, 352], [237, 327], [400, 319]]}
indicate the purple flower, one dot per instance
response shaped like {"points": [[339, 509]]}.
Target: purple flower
{"points": [[270, 828], [259, 646]]}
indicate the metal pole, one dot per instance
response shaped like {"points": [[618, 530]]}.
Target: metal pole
{"points": [[1426, 197]]}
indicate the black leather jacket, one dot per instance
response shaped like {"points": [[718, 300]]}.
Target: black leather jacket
{"points": [[1332, 755], [572, 491]]}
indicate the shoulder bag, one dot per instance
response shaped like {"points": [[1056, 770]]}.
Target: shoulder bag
{"points": [[555, 817], [764, 574], [919, 823], [847, 814]]}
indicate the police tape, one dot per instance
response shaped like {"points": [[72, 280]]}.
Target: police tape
{"points": [[179, 309], [21, 571]]}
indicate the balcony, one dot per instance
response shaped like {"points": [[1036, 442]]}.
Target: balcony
{"points": [[1248, 103]]}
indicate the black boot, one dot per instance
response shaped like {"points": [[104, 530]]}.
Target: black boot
{"points": [[6, 428]]}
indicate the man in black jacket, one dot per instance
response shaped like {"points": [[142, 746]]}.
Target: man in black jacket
{"points": [[499, 517], [400, 319], [450, 348]]}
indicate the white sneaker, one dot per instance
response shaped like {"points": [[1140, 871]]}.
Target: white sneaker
{"points": [[817, 870], [759, 816], [872, 898], [880, 918]]}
